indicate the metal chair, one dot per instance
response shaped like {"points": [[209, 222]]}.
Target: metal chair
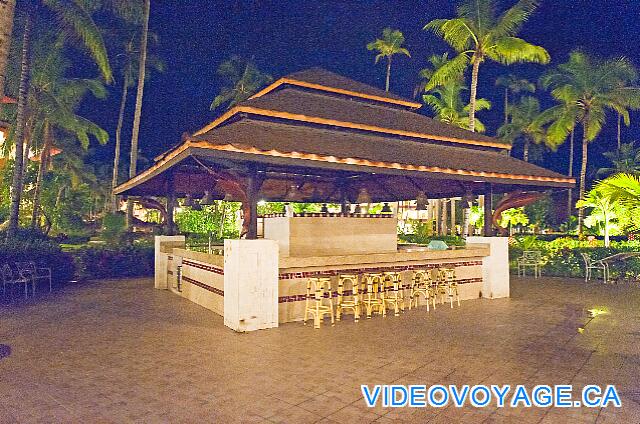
{"points": [[421, 285], [318, 290], [348, 296], [530, 258], [597, 264], [9, 277], [30, 270]]}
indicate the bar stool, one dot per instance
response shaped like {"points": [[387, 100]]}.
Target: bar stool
{"points": [[373, 294], [422, 285], [448, 280], [393, 293], [318, 289], [348, 296]]}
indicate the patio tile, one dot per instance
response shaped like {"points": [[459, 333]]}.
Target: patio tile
{"points": [[120, 351]]}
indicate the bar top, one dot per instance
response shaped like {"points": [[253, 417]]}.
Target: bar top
{"points": [[403, 255]]}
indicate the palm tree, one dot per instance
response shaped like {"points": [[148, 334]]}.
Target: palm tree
{"points": [[586, 88], [623, 189], [129, 70], [625, 159], [243, 80], [478, 34], [390, 44], [53, 101], [513, 85], [142, 67], [7, 9], [74, 21], [603, 210], [524, 125], [446, 100]]}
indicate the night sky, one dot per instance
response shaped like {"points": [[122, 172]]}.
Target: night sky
{"points": [[286, 36]]}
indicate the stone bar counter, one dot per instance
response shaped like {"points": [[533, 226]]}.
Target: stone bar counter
{"points": [[259, 283]]}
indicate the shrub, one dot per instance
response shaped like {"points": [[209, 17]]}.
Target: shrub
{"points": [[562, 256], [44, 252], [113, 227], [114, 261]]}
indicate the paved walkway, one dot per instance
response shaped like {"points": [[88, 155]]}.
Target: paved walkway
{"points": [[119, 351]]}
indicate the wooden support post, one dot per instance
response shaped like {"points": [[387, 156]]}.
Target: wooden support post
{"points": [[488, 211], [252, 198], [171, 204], [453, 216]]}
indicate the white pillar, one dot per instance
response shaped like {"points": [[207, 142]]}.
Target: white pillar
{"points": [[161, 258], [250, 284], [495, 267]]}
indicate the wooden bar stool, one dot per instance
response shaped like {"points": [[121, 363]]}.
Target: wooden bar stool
{"points": [[448, 279], [348, 296], [373, 294], [422, 285], [393, 293], [318, 290]]}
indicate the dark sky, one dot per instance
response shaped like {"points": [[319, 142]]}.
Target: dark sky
{"points": [[286, 36]]}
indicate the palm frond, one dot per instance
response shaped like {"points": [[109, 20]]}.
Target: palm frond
{"points": [[511, 21], [455, 32], [79, 25], [509, 50], [450, 71]]}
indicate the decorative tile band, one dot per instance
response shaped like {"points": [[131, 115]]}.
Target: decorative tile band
{"points": [[302, 297], [210, 268], [204, 286], [333, 272]]}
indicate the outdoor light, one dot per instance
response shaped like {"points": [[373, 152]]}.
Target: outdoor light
{"points": [[386, 208], [207, 199], [363, 196], [292, 193], [421, 201]]}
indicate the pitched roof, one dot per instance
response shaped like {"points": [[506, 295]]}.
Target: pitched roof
{"points": [[283, 144], [371, 117], [326, 81]]}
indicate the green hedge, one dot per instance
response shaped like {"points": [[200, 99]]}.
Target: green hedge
{"points": [[44, 253], [118, 261], [562, 257]]}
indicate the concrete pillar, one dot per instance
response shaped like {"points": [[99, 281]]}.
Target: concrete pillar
{"points": [[250, 284], [161, 258], [453, 217], [495, 267]]}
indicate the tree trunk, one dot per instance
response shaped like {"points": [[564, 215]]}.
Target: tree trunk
{"points": [[583, 171], [525, 151], [619, 131], [570, 173], [474, 91], [607, 242], [116, 155], [16, 183], [42, 169], [388, 73], [443, 217], [138, 109], [506, 105], [7, 9]]}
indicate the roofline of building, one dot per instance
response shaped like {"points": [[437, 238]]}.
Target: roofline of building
{"points": [[291, 81], [343, 124], [203, 144]]}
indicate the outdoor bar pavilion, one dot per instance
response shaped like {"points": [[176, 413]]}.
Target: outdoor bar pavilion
{"points": [[315, 136]]}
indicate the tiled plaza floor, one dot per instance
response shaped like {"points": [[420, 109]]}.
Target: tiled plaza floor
{"points": [[120, 351]]}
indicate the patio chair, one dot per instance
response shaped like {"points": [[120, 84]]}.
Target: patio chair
{"points": [[11, 278], [530, 258], [597, 264], [30, 270]]}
